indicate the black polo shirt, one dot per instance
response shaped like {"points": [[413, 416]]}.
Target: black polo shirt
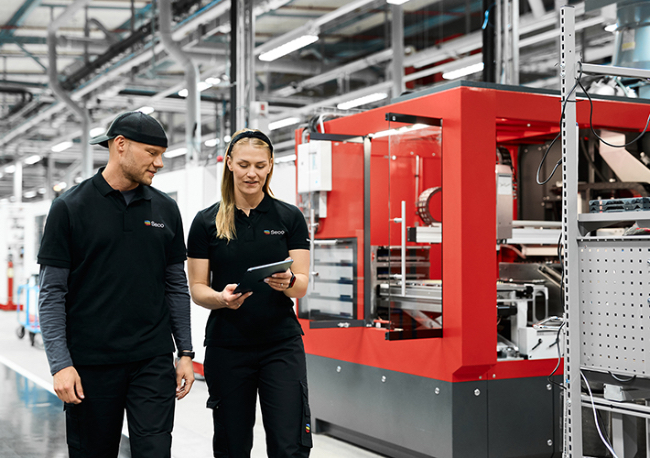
{"points": [[263, 237], [117, 255]]}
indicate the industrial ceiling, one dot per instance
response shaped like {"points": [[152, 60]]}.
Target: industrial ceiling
{"points": [[110, 58]]}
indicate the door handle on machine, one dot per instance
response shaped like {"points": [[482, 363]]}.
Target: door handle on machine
{"points": [[403, 246], [312, 234]]}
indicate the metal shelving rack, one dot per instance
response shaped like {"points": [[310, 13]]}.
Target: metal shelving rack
{"points": [[607, 295]]}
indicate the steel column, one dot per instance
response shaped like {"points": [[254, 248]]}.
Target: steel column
{"points": [[18, 182], [397, 45], [489, 9], [244, 83], [514, 40], [193, 116], [570, 234], [53, 76]]}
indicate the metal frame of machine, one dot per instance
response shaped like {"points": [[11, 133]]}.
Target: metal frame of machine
{"points": [[449, 396], [606, 312]]}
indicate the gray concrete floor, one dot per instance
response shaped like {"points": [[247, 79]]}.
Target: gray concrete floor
{"points": [[192, 437]]}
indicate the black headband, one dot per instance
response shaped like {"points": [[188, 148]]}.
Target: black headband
{"points": [[249, 134]]}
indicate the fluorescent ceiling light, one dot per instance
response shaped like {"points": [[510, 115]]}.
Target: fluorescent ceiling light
{"points": [[610, 28], [288, 47], [283, 123], [212, 142], [32, 159], [78, 179], [377, 96], [396, 2], [60, 186], [42, 190], [287, 158], [201, 86], [10, 169], [452, 75], [61, 147], [96, 131], [175, 152], [227, 139], [146, 110], [29, 194], [213, 80]]}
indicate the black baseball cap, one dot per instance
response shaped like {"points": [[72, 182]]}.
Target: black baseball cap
{"points": [[135, 126]]}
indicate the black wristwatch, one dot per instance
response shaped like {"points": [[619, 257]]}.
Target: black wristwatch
{"points": [[182, 353], [292, 281]]}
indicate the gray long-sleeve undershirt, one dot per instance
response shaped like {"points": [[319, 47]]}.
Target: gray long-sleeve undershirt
{"points": [[52, 315]]}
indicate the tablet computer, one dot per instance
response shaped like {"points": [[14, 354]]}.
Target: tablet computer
{"points": [[254, 276]]}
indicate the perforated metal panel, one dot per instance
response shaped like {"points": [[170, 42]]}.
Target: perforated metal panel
{"points": [[614, 305]]}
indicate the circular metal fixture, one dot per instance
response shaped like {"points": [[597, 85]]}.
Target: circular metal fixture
{"points": [[423, 205]]}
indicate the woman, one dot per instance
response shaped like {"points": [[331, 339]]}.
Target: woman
{"points": [[254, 341]]}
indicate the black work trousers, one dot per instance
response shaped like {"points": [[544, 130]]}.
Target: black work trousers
{"points": [[146, 389], [277, 371]]}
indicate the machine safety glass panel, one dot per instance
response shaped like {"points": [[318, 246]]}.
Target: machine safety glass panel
{"points": [[332, 293], [330, 195], [407, 254]]}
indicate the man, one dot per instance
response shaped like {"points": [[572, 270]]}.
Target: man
{"points": [[113, 291]]}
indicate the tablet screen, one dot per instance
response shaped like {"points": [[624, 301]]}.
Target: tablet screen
{"points": [[254, 277]]}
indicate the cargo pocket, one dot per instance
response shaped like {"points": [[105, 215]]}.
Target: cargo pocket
{"points": [[72, 426], [213, 403], [305, 434]]}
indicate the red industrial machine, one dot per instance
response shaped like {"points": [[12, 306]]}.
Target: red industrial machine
{"points": [[415, 349]]}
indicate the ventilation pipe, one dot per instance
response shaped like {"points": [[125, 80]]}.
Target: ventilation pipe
{"points": [[193, 116], [52, 73]]}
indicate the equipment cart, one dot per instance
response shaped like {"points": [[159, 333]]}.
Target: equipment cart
{"points": [[27, 310]]}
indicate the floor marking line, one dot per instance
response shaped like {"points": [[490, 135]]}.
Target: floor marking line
{"points": [[27, 374]]}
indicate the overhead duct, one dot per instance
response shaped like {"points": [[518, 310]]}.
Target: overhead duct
{"points": [[53, 75], [632, 48], [193, 116], [215, 9]]}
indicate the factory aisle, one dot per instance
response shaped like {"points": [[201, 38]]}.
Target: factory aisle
{"points": [[32, 421]]}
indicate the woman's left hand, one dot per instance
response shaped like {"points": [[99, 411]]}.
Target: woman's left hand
{"points": [[279, 281]]}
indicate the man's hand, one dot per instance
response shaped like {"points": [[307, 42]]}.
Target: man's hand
{"points": [[184, 376], [67, 385]]}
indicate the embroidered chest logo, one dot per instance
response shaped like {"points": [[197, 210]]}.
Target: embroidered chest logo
{"points": [[272, 232], [153, 224]]}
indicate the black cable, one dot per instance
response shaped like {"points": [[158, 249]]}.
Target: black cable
{"points": [[559, 359], [606, 442], [604, 430], [564, 104], [591, 161], [591, 114], [557, 164], [557, 337]]}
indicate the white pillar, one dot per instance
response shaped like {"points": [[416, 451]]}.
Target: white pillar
{"points": [[18, 182]]}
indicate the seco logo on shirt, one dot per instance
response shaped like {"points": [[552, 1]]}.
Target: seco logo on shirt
{"points": [[272, 232], [153, 224]]}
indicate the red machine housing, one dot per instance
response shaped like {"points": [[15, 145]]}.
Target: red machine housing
{"points": [[476, 118]]}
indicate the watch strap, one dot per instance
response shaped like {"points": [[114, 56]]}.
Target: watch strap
{"points": [[182, 353], [292, 281]]}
